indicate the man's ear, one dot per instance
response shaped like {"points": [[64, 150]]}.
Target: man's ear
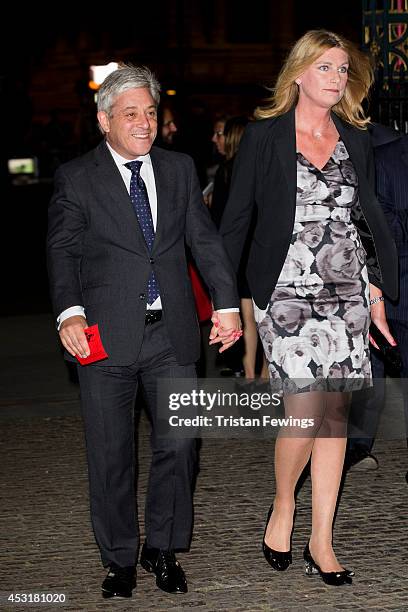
{"points": [[103, 121]]}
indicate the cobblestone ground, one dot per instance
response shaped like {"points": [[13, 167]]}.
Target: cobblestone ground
{"points": [[47, 543]]}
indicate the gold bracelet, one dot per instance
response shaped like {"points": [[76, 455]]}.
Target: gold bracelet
{"points": [[377, 299]]}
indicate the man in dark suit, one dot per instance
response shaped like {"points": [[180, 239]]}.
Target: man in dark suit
{"points": [[391, 160], [118, 223]]}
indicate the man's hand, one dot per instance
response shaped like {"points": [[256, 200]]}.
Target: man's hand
{"points": [[73, 337], [226, 329]]}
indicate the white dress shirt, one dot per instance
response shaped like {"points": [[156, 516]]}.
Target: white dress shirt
{"points": [[147, 174]]}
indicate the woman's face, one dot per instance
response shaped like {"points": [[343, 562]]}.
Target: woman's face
{"points": [[324, 82], [218, 137]]}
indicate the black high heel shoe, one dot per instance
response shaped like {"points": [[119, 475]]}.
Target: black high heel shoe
{"points": [[280, 561], [330, 578]]}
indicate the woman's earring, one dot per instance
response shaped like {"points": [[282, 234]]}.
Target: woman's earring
{"points": [[298, 81]]}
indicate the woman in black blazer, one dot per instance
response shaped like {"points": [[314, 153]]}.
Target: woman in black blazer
{"points": [[320, 258]]}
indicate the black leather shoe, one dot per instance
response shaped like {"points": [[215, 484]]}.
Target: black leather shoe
{"points": [[280, 561], [330, 578], [359, 458], [119, 582], [170, 576]]}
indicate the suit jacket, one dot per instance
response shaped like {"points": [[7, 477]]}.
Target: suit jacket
{"points": [[98, 258], [264, 176], [382, 134], [391, 162]]}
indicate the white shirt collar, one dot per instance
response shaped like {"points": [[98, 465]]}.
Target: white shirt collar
{"points": [[121, 161]]}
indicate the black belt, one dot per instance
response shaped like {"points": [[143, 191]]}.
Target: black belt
{"points": [[152, 316]]}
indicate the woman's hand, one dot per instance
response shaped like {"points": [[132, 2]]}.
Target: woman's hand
{"points": [[380, 321], [226, 329], [378, 316]]}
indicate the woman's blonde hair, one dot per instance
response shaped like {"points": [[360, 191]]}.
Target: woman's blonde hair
{"points": [[306, 51]]}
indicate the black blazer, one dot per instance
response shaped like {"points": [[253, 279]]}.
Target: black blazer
{"points": [[391, 162], [98, 258], [265, 176]]}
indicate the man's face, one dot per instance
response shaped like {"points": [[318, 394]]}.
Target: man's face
{"points": [[169, 128], [131, 127]]}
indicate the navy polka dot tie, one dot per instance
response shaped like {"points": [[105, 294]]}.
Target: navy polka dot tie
{"points": [[140, 201]]}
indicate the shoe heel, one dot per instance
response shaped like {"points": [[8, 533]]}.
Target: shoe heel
{"points": [[310, 569], [278, 560]]}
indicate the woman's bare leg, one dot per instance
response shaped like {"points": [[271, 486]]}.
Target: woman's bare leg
{"points": [[291, 456], [250, 337], [326, 471], [264, 372]]}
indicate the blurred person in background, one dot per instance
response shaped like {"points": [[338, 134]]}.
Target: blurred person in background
{"points": [[167, 127], [391, 161], [218, 140], [218, 137], [366, 406]]}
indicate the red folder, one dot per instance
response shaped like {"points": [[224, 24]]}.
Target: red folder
{"points": [[202, 299], [95, 345]]}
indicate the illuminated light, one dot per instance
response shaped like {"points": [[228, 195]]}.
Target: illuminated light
{"points": [[99, 73], [93, 85], [171, 92]]}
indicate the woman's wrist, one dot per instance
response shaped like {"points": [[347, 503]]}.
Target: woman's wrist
{"points": [[376, 300]]}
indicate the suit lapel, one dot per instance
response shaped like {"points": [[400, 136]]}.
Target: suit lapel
{"points": [[352, 144], [110, 177], [284, 137], [161, 179]]}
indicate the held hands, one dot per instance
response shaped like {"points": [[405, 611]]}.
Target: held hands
{"points": [[73, 337], [226, 329]]}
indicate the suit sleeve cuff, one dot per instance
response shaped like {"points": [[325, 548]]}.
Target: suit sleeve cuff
{"points": [[72, 311], [227, 310]]}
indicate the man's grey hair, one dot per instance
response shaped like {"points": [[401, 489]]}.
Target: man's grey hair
{"points": [[126, 77]]}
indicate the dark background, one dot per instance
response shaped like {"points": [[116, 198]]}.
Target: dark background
{"points": [[217, 55]]}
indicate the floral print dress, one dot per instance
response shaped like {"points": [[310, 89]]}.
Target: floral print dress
{"points": [[315, 328]]}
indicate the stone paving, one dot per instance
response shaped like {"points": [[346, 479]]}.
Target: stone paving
{"points": [[47, 543]]}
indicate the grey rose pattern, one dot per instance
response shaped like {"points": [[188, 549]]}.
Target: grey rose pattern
{"points": [[315, 331]]}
